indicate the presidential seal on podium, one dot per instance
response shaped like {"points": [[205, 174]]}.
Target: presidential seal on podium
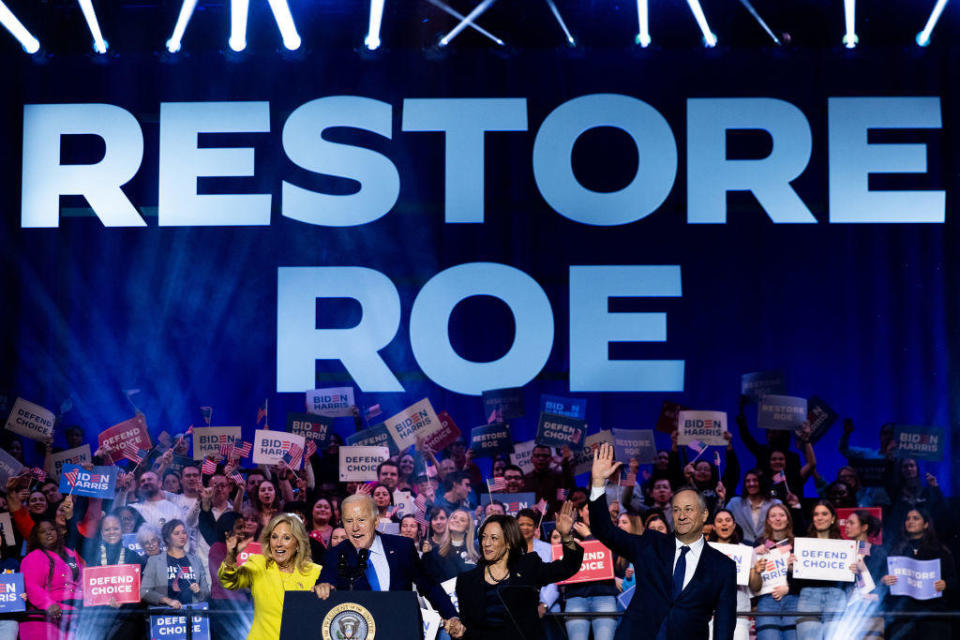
{"points": [[348, 621]]}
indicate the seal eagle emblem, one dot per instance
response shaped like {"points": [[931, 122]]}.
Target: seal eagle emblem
{"points": [[348, 621]]}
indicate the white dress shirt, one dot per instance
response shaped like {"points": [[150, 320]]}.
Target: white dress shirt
{"points": [[378, 558]]}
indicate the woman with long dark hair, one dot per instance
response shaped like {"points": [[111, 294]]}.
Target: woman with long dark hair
{"points": [[51, 578], [498, 599], [920, 542], [437, 517], [817, 595], [750, 508]]}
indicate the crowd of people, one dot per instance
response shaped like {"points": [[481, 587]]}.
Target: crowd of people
{"points": [[187, 525]]}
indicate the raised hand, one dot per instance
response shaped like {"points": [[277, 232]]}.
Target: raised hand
{"points": [[565, 518], [604, 465]]}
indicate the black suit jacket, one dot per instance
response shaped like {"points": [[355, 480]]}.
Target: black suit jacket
{"points": [[406, 569], [520, 596], [712, 592]]}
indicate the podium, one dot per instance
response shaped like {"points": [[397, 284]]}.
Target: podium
{"points": [[351, 615]]}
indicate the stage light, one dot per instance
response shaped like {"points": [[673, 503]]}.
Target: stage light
{"points": [[288, 30], [709, 39], [849, 15], [372, 41], [563, 25], [756, 16], [186, 12], [238, 24], [459, 16], [643, 17], [99, 44], [468, 20], [30, 44], [923, 38]]}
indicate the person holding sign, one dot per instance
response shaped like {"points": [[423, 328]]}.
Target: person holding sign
{"points": [[52, 580], [920, 543], [868, 590], [725, 531], [284, 565], [816, 595], [174, 578], [596, 596], [681, 580], [499, 598], [777, 541]]}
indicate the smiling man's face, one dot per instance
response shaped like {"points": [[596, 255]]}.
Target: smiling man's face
{"points": [[360, 525]]}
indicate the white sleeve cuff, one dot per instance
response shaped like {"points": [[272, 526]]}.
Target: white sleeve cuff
{"points": [[596, 492]]}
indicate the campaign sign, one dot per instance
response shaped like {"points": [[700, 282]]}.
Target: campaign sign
{"points": [[129, 541], [450, 588], [101, 482], [432, 623], [775, 571], [6, 529], [915, 578], [922, 443], [583, 458], [667, 420], [375, 436], [625, 597], [447, 434], [512, 502], [634, 443], [740, 554], [311, 427], [782, 413], [597, 562], [333, 402], [77, 455], [403, 502], [30, 420], [844, 512], [252, 549], [120, 582], [133, 430], [824, 559], [761, 383], [391, 528], [491, 439], [706, 426], [418, 419], [269, 446], [508, 403], [820, 416], [557, 431], [174, 627], [9, 467], [522, 455], [359, 464], [207, 440], [11, 592], [560, 406]]}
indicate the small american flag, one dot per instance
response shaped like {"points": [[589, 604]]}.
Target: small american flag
{"points": [[39, 474], [132, 452], [863, 548], [209, 467], [499, 483], [71, 477], [237, 478], [697, 446], [716, 458], [207, 413], [262, 411], [779, 478], [311, 448], [243, 450], [541, 506], [562, 494], [292, 457], [226, 449], [420, 510], [495, 416], [374, 411]]}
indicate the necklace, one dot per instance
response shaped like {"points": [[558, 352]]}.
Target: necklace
{"points": [[495, 580]]}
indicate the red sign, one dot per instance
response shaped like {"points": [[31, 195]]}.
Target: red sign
{"points": [[667, 420], [133, 431], [448, 433], [251, 549], [876, 512], [597, 562], [120, 582]]}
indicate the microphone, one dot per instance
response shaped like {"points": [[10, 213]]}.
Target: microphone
{"points": [[363, 555]]}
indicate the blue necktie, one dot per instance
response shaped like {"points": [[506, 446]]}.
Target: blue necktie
{"points": [[680, 571], [371, 574]]}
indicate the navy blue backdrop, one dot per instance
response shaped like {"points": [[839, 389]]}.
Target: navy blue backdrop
{"points": [[863, 315]]}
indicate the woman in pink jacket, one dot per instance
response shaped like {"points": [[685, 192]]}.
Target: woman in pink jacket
{"points": [[51, 577]]}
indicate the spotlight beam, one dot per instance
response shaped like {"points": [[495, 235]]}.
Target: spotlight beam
{"points": [[709, 39], [459, 16], [563, 25], [756, 16], [849, 15], [99, 44], [288, 30], [10, 22], [372, 41], [473, 15], [238, 24], [923, 38], [643, 17], [186, 12]]}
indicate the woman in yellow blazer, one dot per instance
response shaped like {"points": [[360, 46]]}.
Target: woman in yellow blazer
{"points": [[284, 565]]}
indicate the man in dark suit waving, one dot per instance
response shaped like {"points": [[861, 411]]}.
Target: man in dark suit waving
{"points": [[681, 580], [371, 561]]}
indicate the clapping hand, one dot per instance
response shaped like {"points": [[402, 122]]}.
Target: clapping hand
{"points": [[604, 465], [235, 544], [565, 518], [454, 627]]}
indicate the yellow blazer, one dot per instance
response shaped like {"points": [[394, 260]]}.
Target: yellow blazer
{"points": [[268, 586]]}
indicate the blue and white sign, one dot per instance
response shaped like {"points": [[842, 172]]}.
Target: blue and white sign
{"points": [[923, 443], [783, 413], [12, 593], [101, 482], [558, 431], [915, 578], [172, 627], [566, 407], [491, 439], [760, 383], [375, 436]]}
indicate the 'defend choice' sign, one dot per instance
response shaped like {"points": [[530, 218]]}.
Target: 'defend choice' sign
{"points": [[464, 121]]}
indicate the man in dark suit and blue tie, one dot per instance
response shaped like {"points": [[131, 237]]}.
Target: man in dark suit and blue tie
{"points": [[681, 580], [371, 561]]}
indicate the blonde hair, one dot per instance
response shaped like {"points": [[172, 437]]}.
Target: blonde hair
{"points": [[303, 559], [446, 544]]}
